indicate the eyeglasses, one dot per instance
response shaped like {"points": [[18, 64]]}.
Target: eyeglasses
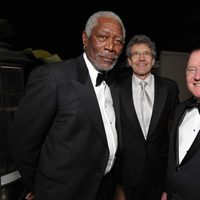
{"points": [[192, 70], [137, 54]]}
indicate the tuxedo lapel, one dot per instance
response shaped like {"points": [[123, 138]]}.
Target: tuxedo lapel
{"points": [[85, 91], [159, 102], [178, 118], [127, 103], [195, 146]]}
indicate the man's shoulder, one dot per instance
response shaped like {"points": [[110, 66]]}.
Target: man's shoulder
{"points": [[61, 68], [165, 80]]}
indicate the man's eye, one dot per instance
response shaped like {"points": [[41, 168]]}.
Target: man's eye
{"points": [[137, 54], [101, 38], [191, 70], [147, 53], [118, 42]]}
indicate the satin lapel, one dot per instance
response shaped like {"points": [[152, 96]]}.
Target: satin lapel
{"points": [[178, 118], [127, 103], [195, 146], [90, 104], [159, 102]]}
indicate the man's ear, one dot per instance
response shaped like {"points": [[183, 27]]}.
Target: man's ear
{"points": [[153, 61], [129, 61], [84, 39]]}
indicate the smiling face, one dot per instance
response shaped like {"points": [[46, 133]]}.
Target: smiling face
{"points": [[105, 43], [141, 60], [193, 74]]}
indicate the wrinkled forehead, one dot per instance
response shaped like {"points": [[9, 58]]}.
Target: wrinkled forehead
{"points": [[109, 24]]}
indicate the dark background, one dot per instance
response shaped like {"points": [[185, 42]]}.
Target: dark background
{"points": [[57, 27]]}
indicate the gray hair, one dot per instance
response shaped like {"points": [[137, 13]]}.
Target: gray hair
{"points": [[141, 39], [93, 21]]}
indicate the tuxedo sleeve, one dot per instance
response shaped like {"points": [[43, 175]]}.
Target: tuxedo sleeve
{"points": [[32, 122]]}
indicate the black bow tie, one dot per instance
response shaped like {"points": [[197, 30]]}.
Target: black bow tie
{"points": [[192, 103], [102, 77]]}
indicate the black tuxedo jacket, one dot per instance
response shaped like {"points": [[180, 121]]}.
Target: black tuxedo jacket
{"points": [[183, 178], [58, 139], [139, 153]]}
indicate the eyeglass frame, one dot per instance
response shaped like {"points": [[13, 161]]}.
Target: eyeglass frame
{"points": [[192, 69], [137, 54]]}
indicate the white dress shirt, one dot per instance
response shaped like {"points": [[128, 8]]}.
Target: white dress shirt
{"points": [[105, 103], [136, 91], [188, 130]]}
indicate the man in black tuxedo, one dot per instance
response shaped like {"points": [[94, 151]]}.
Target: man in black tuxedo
{"points": [[145, 143], [63, 141], [184, 150]]}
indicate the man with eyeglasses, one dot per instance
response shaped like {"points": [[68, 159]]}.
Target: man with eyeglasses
{"points": [[184, 150], [145, 145]]}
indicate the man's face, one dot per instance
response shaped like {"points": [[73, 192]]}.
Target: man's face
{"points": [[193, 74], [105, 44], [141, 60]]}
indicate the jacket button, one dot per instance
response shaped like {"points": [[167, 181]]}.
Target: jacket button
{"points": [[178, 169]]}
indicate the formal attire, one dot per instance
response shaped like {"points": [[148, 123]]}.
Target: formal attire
{"points": [[144, 157], [60, 142], [184, 154]]}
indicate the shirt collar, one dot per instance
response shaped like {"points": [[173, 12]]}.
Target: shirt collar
{"points": [[149, 79], [92, 71]]}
